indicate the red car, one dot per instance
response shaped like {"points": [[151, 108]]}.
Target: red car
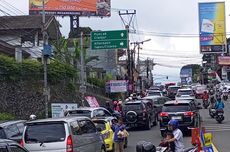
{"points": [[200, 91]]}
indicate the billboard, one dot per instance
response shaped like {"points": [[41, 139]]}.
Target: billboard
{"points": [[212, 30], [92, 101], [186, 76], [58, 109], [71, 7], [224, 60], [118, 86]]}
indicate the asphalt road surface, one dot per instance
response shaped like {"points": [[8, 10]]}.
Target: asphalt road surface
{"points": [[221, 132]]}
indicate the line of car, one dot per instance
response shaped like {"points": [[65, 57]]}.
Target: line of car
{"points": [[84, 129]]}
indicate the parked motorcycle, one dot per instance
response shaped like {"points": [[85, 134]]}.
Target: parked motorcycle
{"points": [[219, 116]]}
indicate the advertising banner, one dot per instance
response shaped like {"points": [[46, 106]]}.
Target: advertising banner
{"points": [[71, 7], [118, 86], [212, 27], [92, 101], [186, 76], [224, 60], [58, 109]]}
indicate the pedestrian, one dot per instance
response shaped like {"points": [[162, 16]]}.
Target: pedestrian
{"points": [[120, 134], [178, 135]]}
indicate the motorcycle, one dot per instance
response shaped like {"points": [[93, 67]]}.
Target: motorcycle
{"points": [[212, 112], [205, 103], [225, 96], [219, 116]]}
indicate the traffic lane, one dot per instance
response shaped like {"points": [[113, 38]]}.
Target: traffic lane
{"points": [[153, 135], [221, 132]]}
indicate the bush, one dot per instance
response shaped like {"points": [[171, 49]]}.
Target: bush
{"points": [[6, 116]]}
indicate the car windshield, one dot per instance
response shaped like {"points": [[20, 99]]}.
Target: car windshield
{"points": [[201, 88], [86, 113], [100, 124], [133, 106], [154, 94], [45, 132], [175, 108], [185, 92]]}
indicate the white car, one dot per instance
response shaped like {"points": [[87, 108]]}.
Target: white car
{"points": [[185, 94], [155, 93]]}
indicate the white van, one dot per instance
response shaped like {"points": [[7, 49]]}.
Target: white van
{"points": [[69, 134]]}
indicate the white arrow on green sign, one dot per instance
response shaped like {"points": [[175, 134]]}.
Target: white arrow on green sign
{"points": [[101, 40]]}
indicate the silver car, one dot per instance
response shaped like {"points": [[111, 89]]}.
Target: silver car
{"points": [[70, 134]]}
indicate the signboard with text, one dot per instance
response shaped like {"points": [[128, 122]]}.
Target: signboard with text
{"points": [[71, 7], [118, 86], [212, 27], [58, 109], [92, 101], [224, 60], [101, 40]]}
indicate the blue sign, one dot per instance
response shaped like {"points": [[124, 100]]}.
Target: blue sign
{"points": [[47, 50]]}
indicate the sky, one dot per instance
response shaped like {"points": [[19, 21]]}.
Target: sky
{"points": [[152, 17]]}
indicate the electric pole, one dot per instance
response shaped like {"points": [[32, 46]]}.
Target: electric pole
{"points": [[130, 14], [82, 83], [45, 60]]}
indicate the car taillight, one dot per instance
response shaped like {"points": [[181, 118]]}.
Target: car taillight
{"points": [[69, 144], [106, 135], [189, 113], [164, 114], [21, 143]]}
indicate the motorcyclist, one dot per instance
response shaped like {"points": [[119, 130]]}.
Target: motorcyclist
{"points": [[205, 97], [178, 135], [32, 117], [219, 106]]}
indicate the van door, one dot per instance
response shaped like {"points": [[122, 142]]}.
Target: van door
{"points": [[89, 135]]}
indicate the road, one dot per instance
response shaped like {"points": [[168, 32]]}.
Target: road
{"points": [[221, 132]]}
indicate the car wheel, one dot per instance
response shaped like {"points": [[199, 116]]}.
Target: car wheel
{"points": [[103, 149], [155, 122], [163, 133], [148, 124]]}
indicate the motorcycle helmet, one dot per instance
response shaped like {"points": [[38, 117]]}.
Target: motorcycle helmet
{"points": [[32, 117], [173, 123]]}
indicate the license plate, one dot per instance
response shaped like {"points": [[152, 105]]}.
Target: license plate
{"points": [[176, 117], [220, 114]]}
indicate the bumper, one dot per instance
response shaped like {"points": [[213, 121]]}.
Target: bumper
{"points": [[182, 127]]}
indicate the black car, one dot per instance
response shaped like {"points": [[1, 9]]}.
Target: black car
{"points": [[12, 130], [10, 146], [185, 111], [139, 113], [172, 91]]}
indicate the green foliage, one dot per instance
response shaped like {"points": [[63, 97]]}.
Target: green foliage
{"points": [[99, 82], [6, 116]]}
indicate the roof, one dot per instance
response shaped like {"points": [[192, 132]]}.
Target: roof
{"points": [[185, 89], [136, 101], [7, 123], [177, 101], [22, 22], [152, 97], [87, 108], [6, 141], [63, 119]]}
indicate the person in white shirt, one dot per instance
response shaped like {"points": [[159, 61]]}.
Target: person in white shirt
{"points": [[178, 135]]}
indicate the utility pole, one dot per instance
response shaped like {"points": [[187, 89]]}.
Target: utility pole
{"points": [[82, 83], [45, 59], [127, 25]]}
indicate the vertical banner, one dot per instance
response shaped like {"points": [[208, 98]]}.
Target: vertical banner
{"points": [[212, 27]]}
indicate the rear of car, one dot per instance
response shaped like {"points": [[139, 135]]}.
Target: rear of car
{"points": [[182, 111], [172, 91], [72, 134], [185, 94], [106, 131], [155, 93]]}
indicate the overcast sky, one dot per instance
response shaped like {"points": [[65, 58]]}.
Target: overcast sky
{"points": [[153, 17]]}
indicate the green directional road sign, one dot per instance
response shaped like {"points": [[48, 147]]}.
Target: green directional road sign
{"points": [[101, 40]]}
